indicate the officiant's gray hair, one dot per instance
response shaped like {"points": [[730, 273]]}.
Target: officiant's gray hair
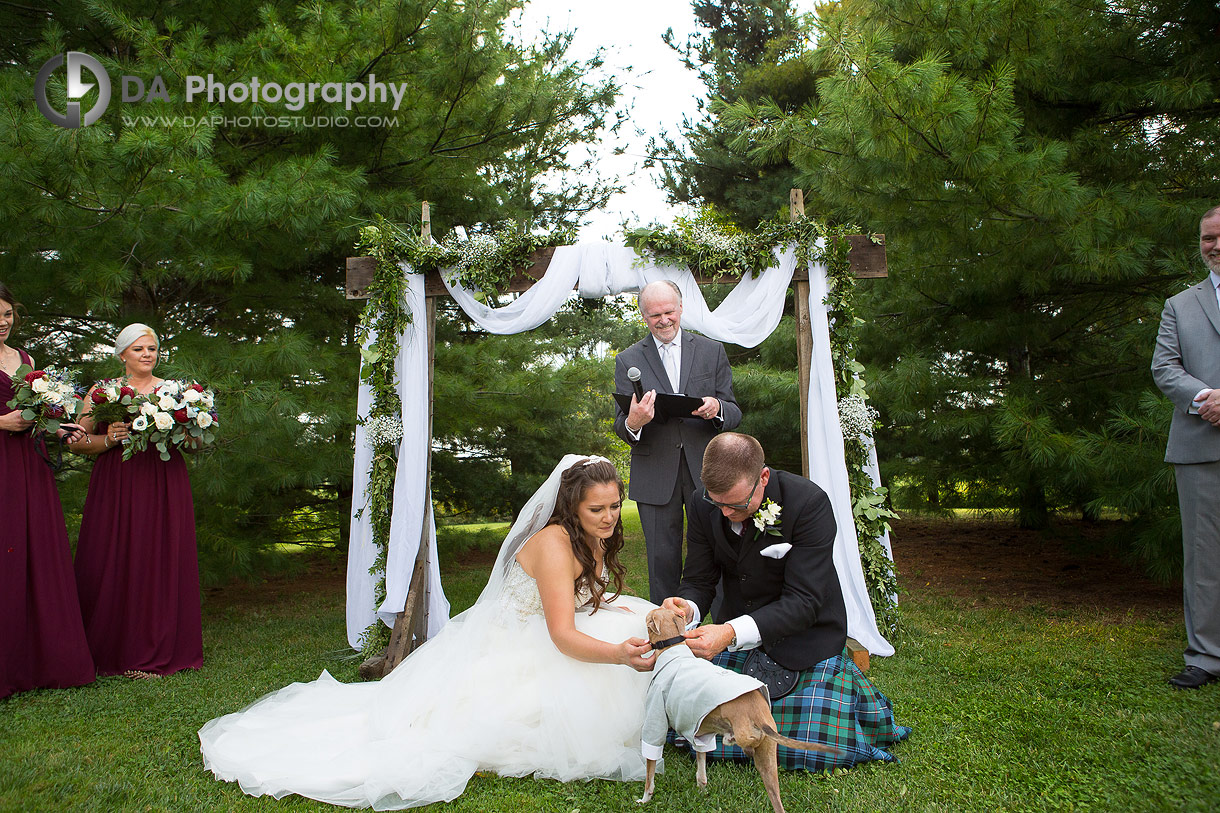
{"points": [[128, 336], [651, 288]]}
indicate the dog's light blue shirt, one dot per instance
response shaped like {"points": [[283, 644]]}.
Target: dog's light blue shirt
{"points": [[683, 691]]}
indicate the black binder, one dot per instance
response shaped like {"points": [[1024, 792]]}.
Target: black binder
{"points": [[667, 405]]}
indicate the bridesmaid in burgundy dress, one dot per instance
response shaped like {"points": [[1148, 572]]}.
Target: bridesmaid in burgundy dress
{"points": [[136, 566], [42, 642]]}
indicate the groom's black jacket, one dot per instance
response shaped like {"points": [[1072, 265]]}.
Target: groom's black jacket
{"points": [[796, 601]]}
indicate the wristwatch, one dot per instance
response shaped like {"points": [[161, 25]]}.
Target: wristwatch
{"points": [[733, 643]]}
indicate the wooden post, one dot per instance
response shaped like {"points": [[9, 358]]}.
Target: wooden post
{"points": [[411, 623], [804, 335], [804, 361]]}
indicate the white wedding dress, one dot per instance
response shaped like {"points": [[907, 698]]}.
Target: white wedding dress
{"points": [[490, 692]]}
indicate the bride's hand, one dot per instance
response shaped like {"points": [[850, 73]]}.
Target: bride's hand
{"points": [[631, 653]]}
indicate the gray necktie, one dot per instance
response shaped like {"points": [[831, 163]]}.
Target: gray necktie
{"points": [[670, 360]]}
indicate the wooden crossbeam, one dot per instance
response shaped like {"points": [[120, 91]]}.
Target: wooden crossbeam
{"points": [[866, 257]]}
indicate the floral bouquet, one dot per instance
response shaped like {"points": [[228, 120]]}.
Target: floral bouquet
{"points": [[176, 413], [46, 397], [113, 402]]}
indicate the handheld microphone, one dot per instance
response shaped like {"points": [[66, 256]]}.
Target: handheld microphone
{"points": [[633, 373]]}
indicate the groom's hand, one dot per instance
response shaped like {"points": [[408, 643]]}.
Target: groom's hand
{"points": [[709, 640], [679, 606]]}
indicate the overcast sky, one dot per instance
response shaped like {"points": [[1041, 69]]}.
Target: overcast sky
{"points": [[658, 89]]}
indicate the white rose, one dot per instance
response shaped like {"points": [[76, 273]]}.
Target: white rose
{"points": [[163, 420], [53, 397], [40, 385], [204, 420], [167, 403], [208, 400], [171, 386], [192, 396], [140, 423], [147, 408]]}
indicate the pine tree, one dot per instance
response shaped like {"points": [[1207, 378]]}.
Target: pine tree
{"points": [[1038, 170], [229, 237], [742, 51]]}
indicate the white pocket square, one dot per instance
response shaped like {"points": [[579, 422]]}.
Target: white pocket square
{"points": [[776, 551]]}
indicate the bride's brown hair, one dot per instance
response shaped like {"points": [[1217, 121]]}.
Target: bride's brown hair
{"points": [[573, 486]]}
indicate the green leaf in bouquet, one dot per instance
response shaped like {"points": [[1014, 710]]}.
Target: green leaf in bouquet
{"points": [[28, 414]]}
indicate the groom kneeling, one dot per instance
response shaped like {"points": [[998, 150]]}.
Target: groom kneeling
{"points": [[768, 536]]}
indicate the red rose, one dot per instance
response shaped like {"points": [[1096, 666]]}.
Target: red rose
{"points": [[55, 411], [34, 375], [98, 397], [180, 415], [127, 391], [196, 387]]}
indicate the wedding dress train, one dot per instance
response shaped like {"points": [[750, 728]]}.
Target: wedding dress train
{"points": [[490, 692]]}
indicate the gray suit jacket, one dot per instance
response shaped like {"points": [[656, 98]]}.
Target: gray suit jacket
{"points": [[1186, 360], [654, 459]]}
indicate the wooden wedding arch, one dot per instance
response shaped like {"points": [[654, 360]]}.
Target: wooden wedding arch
{"points": [[867, 260]]}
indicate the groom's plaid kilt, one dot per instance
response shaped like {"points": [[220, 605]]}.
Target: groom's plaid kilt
{"points": [[834, 704]]}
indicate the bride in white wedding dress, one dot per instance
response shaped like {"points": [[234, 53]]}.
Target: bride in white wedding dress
{"points": [[544, 675]]}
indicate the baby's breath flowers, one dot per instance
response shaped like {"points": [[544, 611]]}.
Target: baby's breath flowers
{"points": [[856, 418], [380, 430]]}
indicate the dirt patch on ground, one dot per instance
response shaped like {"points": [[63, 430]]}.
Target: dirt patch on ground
{"points": [[1067, 567], [1070, 566], [313, 574]]}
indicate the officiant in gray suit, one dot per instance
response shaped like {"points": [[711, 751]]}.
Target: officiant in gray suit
{"points": [[1186, 366], [667, 453]]}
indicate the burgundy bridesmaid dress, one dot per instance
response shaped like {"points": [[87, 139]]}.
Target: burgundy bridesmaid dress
{"points": [[42, 641], [137, 569]]}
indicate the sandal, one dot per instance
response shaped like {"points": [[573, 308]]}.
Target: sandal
{"points": [[138, 674]]}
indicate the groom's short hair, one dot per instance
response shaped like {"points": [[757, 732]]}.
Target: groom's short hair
{"points": [[731, 457]]}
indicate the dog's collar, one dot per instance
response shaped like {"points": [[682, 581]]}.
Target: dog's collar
{"points": [[668, 642]]}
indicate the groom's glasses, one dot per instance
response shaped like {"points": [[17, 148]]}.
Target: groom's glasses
{"points": [[733, 505]]}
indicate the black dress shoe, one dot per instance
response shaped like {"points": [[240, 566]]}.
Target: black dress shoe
{"points": [[1192, 677]]}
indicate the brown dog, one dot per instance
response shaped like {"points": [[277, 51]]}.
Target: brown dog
{"points": [[745, 720]]}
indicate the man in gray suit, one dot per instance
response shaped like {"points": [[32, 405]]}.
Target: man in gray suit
{"points": [[1186, 366], [667, 454]]}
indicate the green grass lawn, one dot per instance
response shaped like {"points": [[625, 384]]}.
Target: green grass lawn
{"points": [[1012, 710]]}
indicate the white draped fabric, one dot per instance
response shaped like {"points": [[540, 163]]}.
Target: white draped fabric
{"points": [[746, 316], [411, 492]]}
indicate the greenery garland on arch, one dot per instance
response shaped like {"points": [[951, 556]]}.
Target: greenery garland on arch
{"points": [[707, 245]]}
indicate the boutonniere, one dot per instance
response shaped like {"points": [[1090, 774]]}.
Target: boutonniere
{"points": [[766, 518]]}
